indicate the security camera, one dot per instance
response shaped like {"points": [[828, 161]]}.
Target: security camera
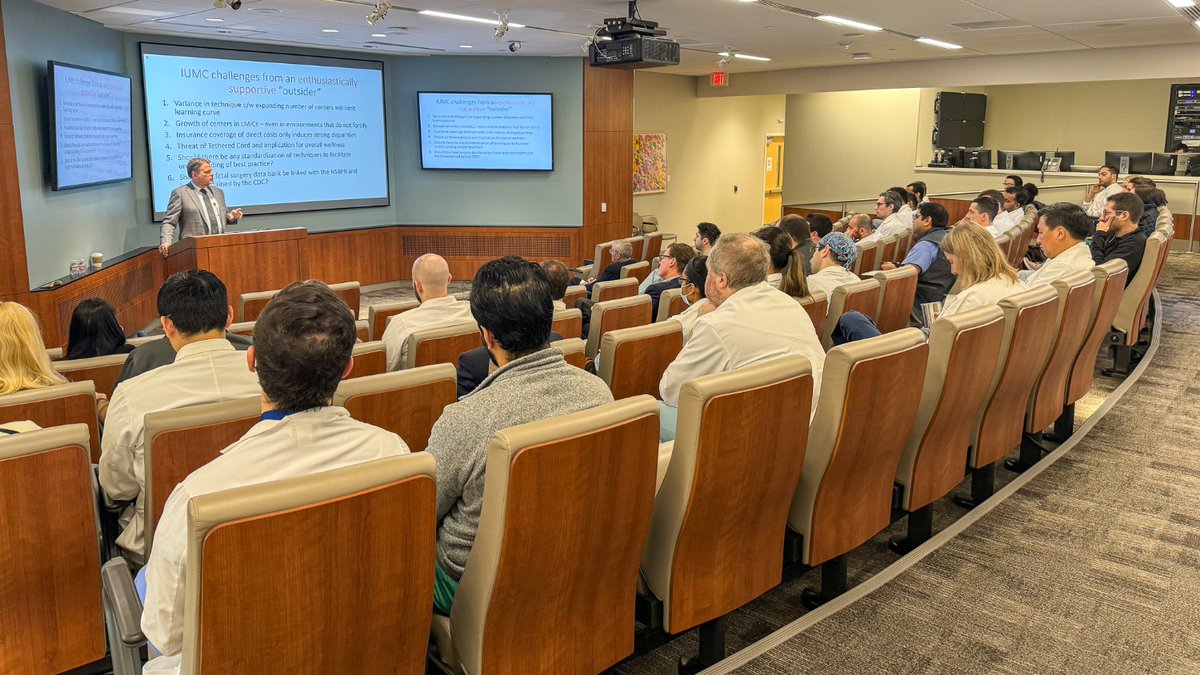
{"points": [[235, 4], [514, 46]]}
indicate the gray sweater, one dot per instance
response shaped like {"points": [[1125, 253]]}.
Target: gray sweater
{"points": [[531, 388]]}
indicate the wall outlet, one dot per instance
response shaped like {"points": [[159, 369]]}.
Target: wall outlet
{"points": [[603, 207]]}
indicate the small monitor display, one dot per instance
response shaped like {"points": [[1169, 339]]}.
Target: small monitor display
{"points": [[1165, 163], [494, 132], [91, 133], [1130, 162], [977, 159], [1019, 161]]}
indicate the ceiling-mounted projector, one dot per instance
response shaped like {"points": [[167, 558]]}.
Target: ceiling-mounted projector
{"points": [[632, 43]]}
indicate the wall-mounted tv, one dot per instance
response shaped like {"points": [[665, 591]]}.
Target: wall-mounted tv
{"points": [[91, 133], [486, 131]]}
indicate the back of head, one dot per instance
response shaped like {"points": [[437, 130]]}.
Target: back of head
{"points": [[918, 188], [302, 345], [1070, 217], [24, 363], [94, 330], [1019, 194], [697, 272], [1031, 189], [1127, 201], [988, 206], [559, 277], [796, 227], [841, 249], [784, 260], [861, 221], [682, 253], [820, 223], [977, 257], [710, 232], [433, 273], [195, 301], [1145, 192], [623, 249], [510, 297], [902, 193], [936, 213], [743, 258], [1017, 180]]}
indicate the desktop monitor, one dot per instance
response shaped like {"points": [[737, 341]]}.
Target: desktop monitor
{"points": [[978, 158], [1165, 163], [1130, 162], [1011, 160]]}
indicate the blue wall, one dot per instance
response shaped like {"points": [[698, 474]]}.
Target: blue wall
{"points": [[112, 219]]}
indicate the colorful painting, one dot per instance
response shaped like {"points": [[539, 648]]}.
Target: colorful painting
{"points": [[649, 163]]}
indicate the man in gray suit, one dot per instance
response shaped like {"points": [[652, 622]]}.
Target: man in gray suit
{"points": [[197, 207]]}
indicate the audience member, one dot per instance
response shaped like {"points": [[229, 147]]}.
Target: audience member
{"points": [[887, 207], [157, 353], [919, 189], [798, 229], [831, 263], [691, 289], [621, 253], [1117, 234], [560, 278], [786, 272], [194, 311], [985, 276], [1012, 210], [438, 309], [302, 346], [510, 299], [1149, 220], [670, 265], [1098, 194], [1062, 234], [983, 212], [1013, 180], [905, 212], [859, 226], [820, 225], [95, 332], [706, 237], [24, 363], [934, 278], [749, 323], [1032, 190]]}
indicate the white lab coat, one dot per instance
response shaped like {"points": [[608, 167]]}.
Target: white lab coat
{"points": [[687, 318], [1095, 208], [830, 278], [208, 371], [432, 313], [1005, 221], [892, 225], [982, 294]]}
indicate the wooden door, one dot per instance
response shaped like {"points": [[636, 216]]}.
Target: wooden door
{"points": [[773, 180]]}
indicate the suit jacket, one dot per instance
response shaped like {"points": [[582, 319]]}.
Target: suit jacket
{"points": [[610, 273], [186, 213], [655, 292], [473, 367]]}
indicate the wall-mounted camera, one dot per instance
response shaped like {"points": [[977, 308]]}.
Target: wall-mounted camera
{"points": [[235, 4], [514, 46]]}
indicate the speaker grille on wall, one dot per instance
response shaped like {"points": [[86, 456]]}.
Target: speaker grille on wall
{"points": [[488, 245], [120, 292]]}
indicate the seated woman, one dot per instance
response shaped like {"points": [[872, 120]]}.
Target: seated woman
{"points": [[691, 286], [95, 331], [787, 270], [24, 363]]}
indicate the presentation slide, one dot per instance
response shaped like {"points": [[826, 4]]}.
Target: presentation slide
{"points": [[90, 126], [504, 132], [283, 132]]}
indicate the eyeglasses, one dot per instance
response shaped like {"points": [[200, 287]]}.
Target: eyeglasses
{"points": [[684, 283]]}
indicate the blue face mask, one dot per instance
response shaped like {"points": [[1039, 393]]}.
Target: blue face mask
{"points": [[686, 301]]}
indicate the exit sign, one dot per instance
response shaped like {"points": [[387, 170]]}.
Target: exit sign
{"points": [[718, 79]]}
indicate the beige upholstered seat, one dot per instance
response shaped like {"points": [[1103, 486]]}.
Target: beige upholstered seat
{"points": [[1075, 300], [860, 296], [370, 358], [573, 351], [816, 304], [887, 251], [632, 360], [638, 243], [71, 403], [101, 370], [551, 582], [405, 402], [1131, 314], [845, 493], [963, 349], [599, 260], [568, 323], [250, 305], [670, 303], [611, 290], [245, 328], [1106, 297], [739, 447], [638, 270], [574, 294], [441, 345], [614, 314], [464, 296], [867, 255], [653, 246], [897, 292], [179, 441], [52, 620], [378, 316], [1165, 222]]}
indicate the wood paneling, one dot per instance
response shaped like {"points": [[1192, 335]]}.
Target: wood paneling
{"points": [[14, 273], [130, 286], [608, 101], [955, 208], [801, 211], [409, 412], [1183, 223]]}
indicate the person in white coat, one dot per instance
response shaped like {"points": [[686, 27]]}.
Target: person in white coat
{"points": [[438, 309], [831, 264], [194, 311], [1062, 233], [302, 350], [887, 207]]}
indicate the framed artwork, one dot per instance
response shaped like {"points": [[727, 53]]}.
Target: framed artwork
{"points": [[649, 163]]}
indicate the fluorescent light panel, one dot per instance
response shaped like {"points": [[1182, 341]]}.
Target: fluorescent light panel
{"points": [[463, 17], [938, 43], [748, 57], [847, 22]]}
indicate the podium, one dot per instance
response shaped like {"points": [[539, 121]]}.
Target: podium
{"points": [[246, 262]]}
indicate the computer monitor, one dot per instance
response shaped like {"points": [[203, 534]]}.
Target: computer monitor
{"points": [[1066, 157], [1130, 162], [1165, 163], [1012, 160], [979, 158]]}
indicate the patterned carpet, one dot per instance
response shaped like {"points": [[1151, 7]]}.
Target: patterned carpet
{"points": [[1093, 566]]}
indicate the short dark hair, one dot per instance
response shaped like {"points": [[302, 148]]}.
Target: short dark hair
{"points": [[1127, 201], [796, 227], [1112, 169], [710, 232], [1020, 193], [987, 205], [195, 301], [682, 253], [511, 298], [893, 199], [936, 213], [820, 223], [302, 343], [94, 330], [559, 277], [1070, 217], [918, 188], [697, 272], [1017, 180]]}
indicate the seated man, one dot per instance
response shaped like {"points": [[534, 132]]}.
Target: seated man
{"points": [[859, 226], [1012, 210], [819, 225], [908, 205], [983, 212], [622, 255], [510, 298], [887, 207], [151, 355], [670, 266], [431, 280], [302, 345], [1062, 234], [560, 278], [194, 312], [706, 238], [749, 323], [831, 264], [1117, 233], [802, 240], [934, 278]]}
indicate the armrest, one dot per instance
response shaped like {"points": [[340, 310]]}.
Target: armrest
{"points": [[123, 601], [664, 460]]}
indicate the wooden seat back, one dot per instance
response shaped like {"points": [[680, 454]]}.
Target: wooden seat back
{"points": [[568, 323], [573, 349], [816, 304], [867, 253], [614, 314], [378, 315], [1075, 294], [670, 304], [370, 358], [638, 270], [429, 346], [1131, 314], [1110, 285], [887, 251], [860, 296], [632, 360], [101, 370], [250, 305], [639, 245], [653, 246], [574, 294], [405, 402], [897, 292], [61, 404], [612, 290]]}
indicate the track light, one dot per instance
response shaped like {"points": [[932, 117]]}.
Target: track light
{"points": [[501, 25], [380, 11]]}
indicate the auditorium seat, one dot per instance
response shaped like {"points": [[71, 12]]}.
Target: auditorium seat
{"points": [[1029, 326], [441, 345], [339, 608], [600, 259], [362, 331], [52, 620], [897, 292], [370, 358], [1131, 313], [553, 573], [245, 328], [573, 349], [860, 296], [1005, 244], [963, 349], [568, 323], [817, 306], [179, 441], [887, 252], [250, 305], [715, 541], [611, 290], [71, 403], [464, 296], [638, 270], [639, 246], [867, 254], [653, 247], [101, 370], [632, 360], [614, 314], [574, 294], [670, 303], [405, 402], [1165, 222], [378, 316]]}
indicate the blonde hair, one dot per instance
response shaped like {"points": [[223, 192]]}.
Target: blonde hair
{"points": [[978, 257], [24, 363]]}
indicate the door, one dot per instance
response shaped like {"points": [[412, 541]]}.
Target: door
{"points": [[773, 180]]}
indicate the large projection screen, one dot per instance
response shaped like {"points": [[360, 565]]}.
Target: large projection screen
{"points": [[284, 132]]}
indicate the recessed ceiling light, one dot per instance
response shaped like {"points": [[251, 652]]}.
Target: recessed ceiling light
{"points": [[938, 43], [463, 17], [329, 30], [466, 47], [861, 56], [214, 19], [847, 22], [378, 34]]}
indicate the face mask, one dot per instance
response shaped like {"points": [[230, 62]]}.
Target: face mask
{"points": [[686, 301]]}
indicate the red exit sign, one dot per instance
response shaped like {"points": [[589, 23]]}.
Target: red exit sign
{"points": [[718, 79]]}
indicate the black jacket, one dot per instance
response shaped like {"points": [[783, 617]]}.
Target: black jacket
{"points": [[1107, 246]]}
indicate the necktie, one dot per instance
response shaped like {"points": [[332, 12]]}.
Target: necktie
{"points": [[214, 224]]}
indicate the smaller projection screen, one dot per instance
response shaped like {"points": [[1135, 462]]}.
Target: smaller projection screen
{"points": [[91, 134], [490, 132]]}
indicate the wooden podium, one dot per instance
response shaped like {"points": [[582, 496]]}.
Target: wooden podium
{"points": [[246, 262]]}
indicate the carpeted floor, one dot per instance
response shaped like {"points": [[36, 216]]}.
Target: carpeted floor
{"points": [[1094, 566]]}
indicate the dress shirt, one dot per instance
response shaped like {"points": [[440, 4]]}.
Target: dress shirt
{"points": [[687, 318], [891, 225], [982, 294], [433, 313], [1078, 258], [753, 325], [203, 372], [304, 443], [1095, 208], [830, 278], [905, 215], [653, 278], [1005, 221]]}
